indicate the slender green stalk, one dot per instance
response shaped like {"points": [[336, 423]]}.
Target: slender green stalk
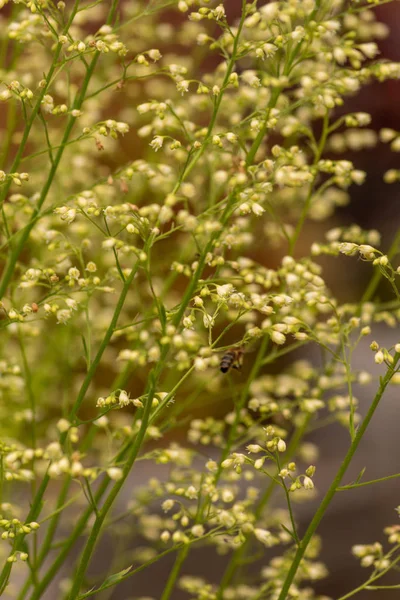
{"points": [[178, 316], [337, 480], [32, 516], [289, 504], [152, 386], [257, 364], [37, 502], [352, 486], [45, 546], [11, 124], [29, 388], [91, 542], [228, 447], [238, 555], [77, 532], [261, 134], [36, 108], [375, 280], [367, 585], [106, 340], [217, 103], [310, 195], [112, 581], [174, 574], [108, 584], [80, 97]]}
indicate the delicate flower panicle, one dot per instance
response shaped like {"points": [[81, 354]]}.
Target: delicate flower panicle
{"points": [[157, 191]]}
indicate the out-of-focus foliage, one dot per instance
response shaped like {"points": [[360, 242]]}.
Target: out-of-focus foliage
{"points": [[155, 156]]}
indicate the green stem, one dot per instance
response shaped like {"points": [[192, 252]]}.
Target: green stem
{"points": [[367, 585], [180, 559], [11, 124], [80, 97], [95, 532], [357, 485], [307, 203], [373, 284], [60, 560], [36, 108], [336, 482], [153, 381], [45, 546], [232, 434], [289, 504], [261, 134], [104, 343], [36, 506], [238, 555], [217, 104], [257, 364], [32, 516], [110, 583]]}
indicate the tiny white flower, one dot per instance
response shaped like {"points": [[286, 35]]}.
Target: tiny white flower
{"points": [[277, 337], [281, 446], [154, 54], [269, 49], [123, 398], [264, 536], [200, 364], [115, 473], [308, 483], [370, 49], [224, 290], [157, 142], [165, 536], [63, 425], [167, 505], [219, 12], [257, 209], [348, 248], [182, 86], [254, 448], [197, 530]]}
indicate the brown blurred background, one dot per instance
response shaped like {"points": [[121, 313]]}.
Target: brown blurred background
{"points": [[356, 516]]}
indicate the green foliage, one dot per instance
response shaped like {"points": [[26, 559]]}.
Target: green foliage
{"points": [[161, 225]]}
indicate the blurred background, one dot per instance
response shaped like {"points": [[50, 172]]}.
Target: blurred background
{"points": [[355, 516]]}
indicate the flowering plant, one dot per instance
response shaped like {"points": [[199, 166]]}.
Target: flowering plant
{"points": [[143, 191]]}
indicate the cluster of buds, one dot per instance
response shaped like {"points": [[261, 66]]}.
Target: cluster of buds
{"points": [[382, 355], [107, 128], [17, 178], [121, 399], [13, 527], [371, 555]]}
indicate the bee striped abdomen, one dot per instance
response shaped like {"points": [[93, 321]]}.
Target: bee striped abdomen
{"points": [[227, 361], [232, 359]]}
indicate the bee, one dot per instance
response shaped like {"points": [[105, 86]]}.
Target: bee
{"points": [[232, 359]]}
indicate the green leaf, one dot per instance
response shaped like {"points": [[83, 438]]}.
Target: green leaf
{"points": [[85, 348], [289, 532], [110, 581], [162, 314], [361, 473]]}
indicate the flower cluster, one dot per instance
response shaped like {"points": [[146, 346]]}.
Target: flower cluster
{"points": [[161, 198]]}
